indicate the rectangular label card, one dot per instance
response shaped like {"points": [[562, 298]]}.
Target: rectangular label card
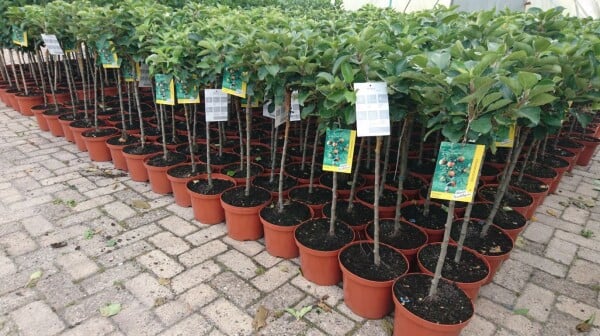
{"points": [[145, 80], [108, 57], [505, 137], [456, 171], [187, 93], [215, 104], [276, 112], [295, 112], [130, 71], [339, 150], [372, 109], [52, 45], [165, 89], [19, 37], [233, 84]]}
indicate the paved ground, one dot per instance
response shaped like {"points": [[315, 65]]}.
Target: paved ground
{"points": [[175, 276]]}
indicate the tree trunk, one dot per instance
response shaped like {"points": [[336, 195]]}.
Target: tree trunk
{"points": [[355, 175], [444, 250], [248, 128], [376, 255]]}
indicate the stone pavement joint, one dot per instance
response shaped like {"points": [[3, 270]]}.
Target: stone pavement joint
{"points": [[176, 276]]}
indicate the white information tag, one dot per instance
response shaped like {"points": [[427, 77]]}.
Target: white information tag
{"points": [[278, 113], [52, 44], [215, 104], [372, 109], [145, 80], [295, 113]]}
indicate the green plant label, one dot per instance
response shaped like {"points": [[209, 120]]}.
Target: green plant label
{"points": [[145, 80], [215, 105], [456, 171], [372, 109], [187, 92], [505, 137], [274, 112], [339, 150], [233, 84], [165, 89], [131, 71], [19, 36], [108, 57], [255, 102], [52, 45]]}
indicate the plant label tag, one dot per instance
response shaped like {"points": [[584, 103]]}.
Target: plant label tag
{"points": [[277, 113], [233, 84], [52, 45], [145, 80], [130, 71], [505, 137], [187, 92], [339, 150], [215, 102], [372, 109], [295, 112], [108, 57], [457, 171], [165, 89], [19, 36]]}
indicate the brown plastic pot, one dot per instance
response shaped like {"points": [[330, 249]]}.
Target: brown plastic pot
{"points": [[96, 146], [279, 239], [157, 175], [243, 223], [26, 102], [208, 208]]}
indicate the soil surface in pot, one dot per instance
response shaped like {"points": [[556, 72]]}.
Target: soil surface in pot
{"points": [[236, 197], [319, 195], [51, 111], [536, 169], [435, 220], [293, 213], [172, 158], [411, 182], [223, 159], [99, 132], [234, 170], [264, 182], [388, 197], [498, 157], [255, 150], [487, 170], [469, 269], [457, 205], [358, 259], [553, 161], [86, 123], [358, 215], [178, 139], [512, 197], [506, 219], [426, 167], [265, 161], [70, 116], [198, 149], [450, 305], [529, 184], [558, 152], [344, 181], [295, 170], [314, 234], [139, 150], [407, 238], [185, 171], [494, 243], [201, 186], [569, 143], [119, 141]]}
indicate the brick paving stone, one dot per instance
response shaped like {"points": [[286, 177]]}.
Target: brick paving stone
{"points": [[202, 253], [234, 289], [147, 289], [334, 293], [238, 263], [109, 277], [228, 318], [498, 294], [375, 327], [274, 277], [197, 323], [538, 232], [119, 210], [77, 264], [249, 248], [577, 309], [563, 286], [185, 213], [59, 290], [285, 325], [342, 308], [37, 319], [537, 300], [194, 276], [7, 267], [587, 254], [561, 251], [286, 296], [575, 215], [124, 253], [177, 225], [169, 243], [208, 234], [513, 275], [135, 319], [160, 264], [17, 243], [541, 263], [334, 322], [95, 326], [61, 235], [199, 296], [578, 240], [265, 259], [11, 301], [37, 225], [149, 216], [585, 272], [173, 311]]}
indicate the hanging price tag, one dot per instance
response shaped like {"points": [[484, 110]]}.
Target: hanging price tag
{"points": [[506, 137], [52, 45], [295, 113], [215, 102], [277, 113], [372, 109]]}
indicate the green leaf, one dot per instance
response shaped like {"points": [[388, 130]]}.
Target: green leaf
{"points": [[272, 69], [347, 72], [110, 309], [531, 113], [111, 243], [513, 85], [528, 79], [88, 234], [541, 99], [498, 104], [34, 278], [521, 311], [482, 125]]}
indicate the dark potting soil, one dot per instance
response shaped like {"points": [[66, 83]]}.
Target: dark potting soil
{"points": [[185, 149], [255, 150], [264, 182], [106, 111], [495, 243], [450, 305], [319, 195], [512, 197], [536, 169], [151, 131], [363, 169], [179, 139], [344, 181], [568, 143], [411, 182], [553, 161], [499, 157], [488, 170], [529, 184], [118, 140], [70, 116], [314, 234], [559, 151], [32, 93], [426, 167], [506, 219], [358, 259], [85, 123], [223, 159], [236, 197], [51, 111], [358, 215], [587, 138], [185, 171], [130, 126], [297, 151], [407, 238], [295, 170], [293, 213], [201, 186], [172, 158], [388, 197], [234, 170], [469, 269], [265, 161], [93, 133], [139, 150], [435, 220]]}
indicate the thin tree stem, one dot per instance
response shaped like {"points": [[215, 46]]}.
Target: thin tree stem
{"points": [[443, 251]]}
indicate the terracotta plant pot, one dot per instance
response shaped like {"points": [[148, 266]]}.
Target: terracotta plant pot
{"points": [[526, 210], [78, 136], [61, 98], [135, 163], [409, 253], [407, 323], [435, 235], [116, 152], [26, 102], [470, 288], [39, 117], [367, 298], [243, 223], [207, 208], [279, 239], [178, 184], [96, 145], [12, 99], [157, 175], [590, 144], [64, 124]]}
